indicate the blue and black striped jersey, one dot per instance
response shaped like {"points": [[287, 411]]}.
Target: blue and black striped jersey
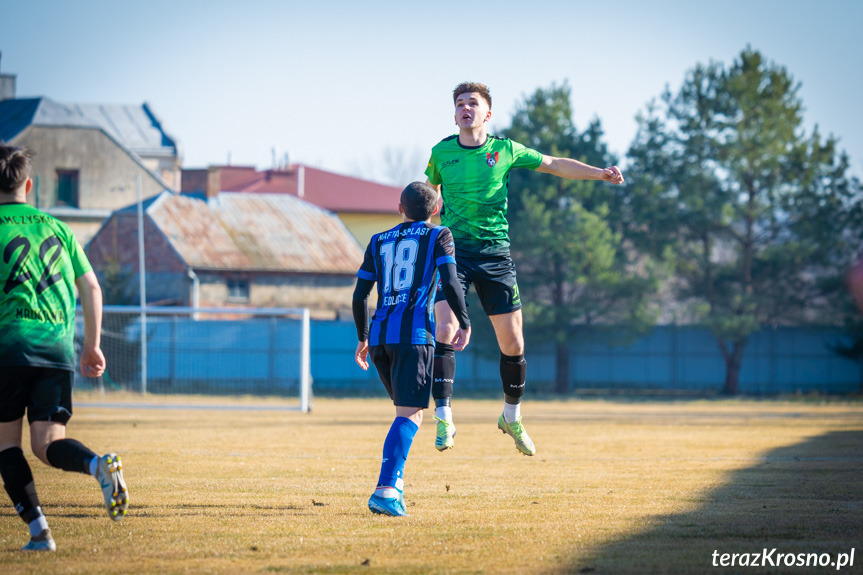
{"points": [[404, 261]]}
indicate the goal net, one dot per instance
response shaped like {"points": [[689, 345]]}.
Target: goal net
{"points": [[212, 351]]}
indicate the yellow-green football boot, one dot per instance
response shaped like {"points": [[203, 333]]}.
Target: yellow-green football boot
{"points": [[517, 432], [445, 433]]}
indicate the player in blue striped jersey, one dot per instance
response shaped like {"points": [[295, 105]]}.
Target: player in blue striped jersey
{"points": [[405, 263]]}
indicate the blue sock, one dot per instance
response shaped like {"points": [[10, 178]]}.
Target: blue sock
{"points": [[396, 448]]}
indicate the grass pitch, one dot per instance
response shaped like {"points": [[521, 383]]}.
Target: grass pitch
{"points": [[616, 487]]}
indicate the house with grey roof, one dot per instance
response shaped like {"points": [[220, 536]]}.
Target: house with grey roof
{"points": [[230, 250], [88, 156]]}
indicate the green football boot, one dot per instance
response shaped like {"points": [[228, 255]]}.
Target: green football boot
{"points": [[517, 432], [445, 433]]}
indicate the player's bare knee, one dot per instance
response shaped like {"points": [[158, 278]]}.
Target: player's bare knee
{"points": [[512, 347], [415, 414], [40, 449], [445, 328], [43, 434], [511, 342], [446, 324], [445, 332], [509, 333]]}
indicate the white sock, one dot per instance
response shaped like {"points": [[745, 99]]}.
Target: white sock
{"points": [[37, 525], [443, 412], [511, 412], [94, 466], [388, 492]]}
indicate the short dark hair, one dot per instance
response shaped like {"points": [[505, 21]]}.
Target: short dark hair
{"points": [[418, 200], [14, 167], [466, 87]]}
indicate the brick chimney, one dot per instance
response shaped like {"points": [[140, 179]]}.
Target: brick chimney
{"points": [[7, 85]]}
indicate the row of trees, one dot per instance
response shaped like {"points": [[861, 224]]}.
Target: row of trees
{"points": [[732, 216]]}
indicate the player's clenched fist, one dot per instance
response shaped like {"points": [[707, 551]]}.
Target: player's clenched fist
{"points": [[612, 175]]}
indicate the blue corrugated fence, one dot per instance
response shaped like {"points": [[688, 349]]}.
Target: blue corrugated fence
{"points": [[260, 355]]}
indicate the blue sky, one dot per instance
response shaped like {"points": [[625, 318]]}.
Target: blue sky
{"points": [[338, 85]]}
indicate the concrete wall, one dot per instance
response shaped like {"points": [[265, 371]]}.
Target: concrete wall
{"points": [[106, 171], [167, 168], [7, 86], [84, 228], [315, 291]]}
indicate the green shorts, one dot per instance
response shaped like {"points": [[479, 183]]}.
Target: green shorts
{"points": [[45, 393]]}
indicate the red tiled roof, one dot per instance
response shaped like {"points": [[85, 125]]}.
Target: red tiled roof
{"points": [[346, 194], [235, 178], [327, 190]]}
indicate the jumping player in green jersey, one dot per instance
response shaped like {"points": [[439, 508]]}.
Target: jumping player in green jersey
{"points": [[471, 172], [41, 265]]}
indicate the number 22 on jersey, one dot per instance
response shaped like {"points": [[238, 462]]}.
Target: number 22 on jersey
{"points": [[18, 277]]}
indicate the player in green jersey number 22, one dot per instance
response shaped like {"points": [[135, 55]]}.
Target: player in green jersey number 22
{"points": [[41, 260], [471, 171]]}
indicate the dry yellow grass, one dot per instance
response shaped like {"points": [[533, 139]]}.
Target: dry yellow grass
{"points": [[616, 487]]}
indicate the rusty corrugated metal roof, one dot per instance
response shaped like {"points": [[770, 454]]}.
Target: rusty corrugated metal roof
{"points": [[263, 232]]}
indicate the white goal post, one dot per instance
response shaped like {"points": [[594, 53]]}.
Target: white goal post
{"points": [[210, 351]]}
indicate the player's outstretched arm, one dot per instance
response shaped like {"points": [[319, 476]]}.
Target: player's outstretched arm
{"points": [[575, 170], [92, 359]]}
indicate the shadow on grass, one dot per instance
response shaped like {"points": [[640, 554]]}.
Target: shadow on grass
{"points": [[804, 498], [76, 510]]}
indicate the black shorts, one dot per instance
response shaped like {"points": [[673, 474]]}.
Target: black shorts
{"points": [[406, 372], [44, 392], [494, 279]]}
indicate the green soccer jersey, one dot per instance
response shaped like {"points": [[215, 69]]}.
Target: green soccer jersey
{"points": [[474, 189], [41, 260]]}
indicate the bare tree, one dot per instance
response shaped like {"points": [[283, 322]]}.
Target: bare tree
{"points": [[402, 167]]}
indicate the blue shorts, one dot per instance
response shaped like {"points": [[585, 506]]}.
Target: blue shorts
{"points": [[406, 372]]}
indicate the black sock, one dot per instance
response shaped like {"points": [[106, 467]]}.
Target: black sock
{"points": [[18, 481], [70, 455], [444, 373], [513, 370]]}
